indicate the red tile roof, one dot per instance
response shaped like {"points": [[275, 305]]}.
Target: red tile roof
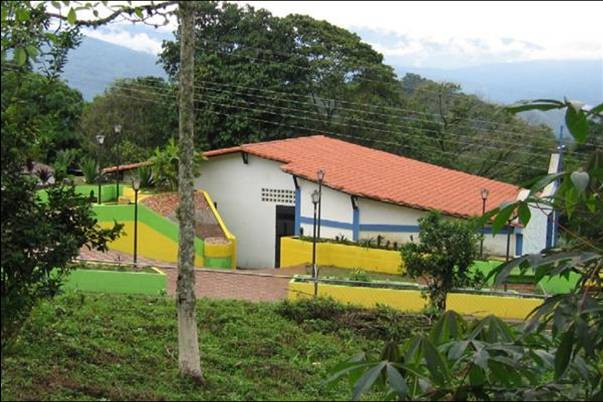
{"points": [[121, 168], [379, 175]]}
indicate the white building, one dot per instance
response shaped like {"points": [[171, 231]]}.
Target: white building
{"points": [[263, 191]]}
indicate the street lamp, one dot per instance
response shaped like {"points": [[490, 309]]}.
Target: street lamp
{"points": [[136, 187], [118, 176], [321, 176], [484, 194], [315, 200], [100, 139]]}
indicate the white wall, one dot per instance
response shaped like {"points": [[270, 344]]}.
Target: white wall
{"points": [[336, 206], [237, 189]]}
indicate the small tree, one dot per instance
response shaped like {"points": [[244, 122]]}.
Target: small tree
{"points": [[446, 250]]}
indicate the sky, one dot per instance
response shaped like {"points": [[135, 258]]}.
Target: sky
{"points": [[435, 34]]}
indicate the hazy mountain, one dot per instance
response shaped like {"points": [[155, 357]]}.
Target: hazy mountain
{"points": [[96, 63], [510, 82]]}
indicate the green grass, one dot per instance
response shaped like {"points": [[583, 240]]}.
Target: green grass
{"points": [[123, 347]]}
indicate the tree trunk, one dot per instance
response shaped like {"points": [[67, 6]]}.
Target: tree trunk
{"points": [[188, 342]]}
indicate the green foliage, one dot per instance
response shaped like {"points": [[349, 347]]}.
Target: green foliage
{"points": [[359, 275], [38, 241], [93, 346], [444, 255], [63, 162], [164, 165], [481, 360], [145, 122], [47, 104], [145, 174], [89, 169]]}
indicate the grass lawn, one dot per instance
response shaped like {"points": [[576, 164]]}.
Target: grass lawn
{"points": [[122, 347]]}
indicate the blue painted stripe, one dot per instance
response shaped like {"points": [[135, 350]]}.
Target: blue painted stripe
{"points": [[328, 223], [356, 225], [504, 231], [297, 211], [375, 227], [518, 244]]}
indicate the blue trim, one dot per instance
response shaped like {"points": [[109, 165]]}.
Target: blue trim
{"points": [[356, 224], [375, 227], [518, 244], [549, 231], [297, 211], [505, 230], [328, 223]]}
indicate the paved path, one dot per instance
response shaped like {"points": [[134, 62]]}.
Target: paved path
{"points": [[253, 285], [233, 285]]}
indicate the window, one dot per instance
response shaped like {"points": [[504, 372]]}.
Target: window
{"points": [[279, 196]]}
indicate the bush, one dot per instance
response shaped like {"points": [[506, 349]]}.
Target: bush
{"points": [[89, 169], [63, 161], [145, 174], [444, 255], [359, 275], [326, 315]]}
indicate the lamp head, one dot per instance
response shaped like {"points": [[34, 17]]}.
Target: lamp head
{"points": [[320, 175], [136, 183], [100, 139], [117, 128], [315, 197], [485, 192]]}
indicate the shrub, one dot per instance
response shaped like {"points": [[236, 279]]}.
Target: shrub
{"points": [[446, 250], [63, 161], [359, 275], [89, 169], [145, 173]]}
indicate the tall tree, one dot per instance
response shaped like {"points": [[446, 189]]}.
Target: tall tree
{"points": [[188, 341], [133, 104]]}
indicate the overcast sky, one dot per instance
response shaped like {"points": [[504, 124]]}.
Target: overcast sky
{"points": [[440, 34]]}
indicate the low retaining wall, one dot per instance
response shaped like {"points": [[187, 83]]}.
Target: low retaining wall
{"points": [[409, 298], [89, 280], [297, 252], [157, 236], [221, 255]]}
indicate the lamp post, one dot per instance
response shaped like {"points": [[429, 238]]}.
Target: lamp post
{"points": [[117, 131], [135, 187], [484, 194], [100, 139], [321, 176], [315, 200]]}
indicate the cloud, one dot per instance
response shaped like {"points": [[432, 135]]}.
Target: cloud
{"points": [[117, 34]]}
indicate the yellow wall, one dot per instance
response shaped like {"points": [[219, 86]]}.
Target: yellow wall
{"points": [[296, 252], [482, 305], [151, 244], [401, 299], [411, 300], [221, 250], [128, 192]]}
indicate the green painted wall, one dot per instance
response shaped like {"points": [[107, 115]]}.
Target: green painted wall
{"points": [[115, 282], [122, 213]]}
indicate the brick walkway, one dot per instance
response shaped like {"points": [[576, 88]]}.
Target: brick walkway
{"points": [[239, 285], [252, 285]]}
